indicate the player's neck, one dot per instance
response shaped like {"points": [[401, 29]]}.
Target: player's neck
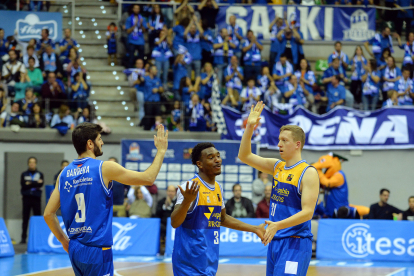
{"points": [[292, 161], [208, 179], [87, 154]]}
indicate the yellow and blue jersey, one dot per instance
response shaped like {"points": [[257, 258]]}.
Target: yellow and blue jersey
{"points": [[286, 200], [196, 243]]}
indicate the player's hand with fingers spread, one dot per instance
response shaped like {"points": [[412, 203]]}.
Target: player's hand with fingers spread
{"points": [[161, 139], [190, 194], [270, 232], [260, 231], [254, 116]]}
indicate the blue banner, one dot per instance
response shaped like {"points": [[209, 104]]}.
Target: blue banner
{"points": [[140, 237], [232, 242], [315, 22], [375, 240], [340, 129], [30, 24], [138, 155], [6, 246]]}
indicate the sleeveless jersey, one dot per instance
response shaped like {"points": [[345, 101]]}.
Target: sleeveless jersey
{"points": [[196, 244], [336, 197], [286, 200], [86, 203]]}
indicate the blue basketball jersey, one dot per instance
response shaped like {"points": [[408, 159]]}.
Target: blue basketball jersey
{"points": [[86, 203], [286, 200], [336, 197]]}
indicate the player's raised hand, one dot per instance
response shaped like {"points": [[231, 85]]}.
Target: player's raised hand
{"points": [[270, 232], [190, 193], [254, 116], [161, 139]]}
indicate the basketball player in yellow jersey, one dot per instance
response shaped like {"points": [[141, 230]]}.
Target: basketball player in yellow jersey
{"points": [[294, 194]]}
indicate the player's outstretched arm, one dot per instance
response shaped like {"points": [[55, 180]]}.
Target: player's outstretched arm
{"points": [[184, 200], [230, 222], [52, 220], [245, 152], [114, 171], [310, 192]]}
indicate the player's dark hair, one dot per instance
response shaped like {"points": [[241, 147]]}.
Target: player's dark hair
{"points": [[83, 133], [196, 154], [235, 185], [384, 190], [343, 212], [31, 157], [64, 161]]}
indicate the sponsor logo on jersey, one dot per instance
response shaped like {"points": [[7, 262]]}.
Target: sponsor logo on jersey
{"points": [[78, 230], [290, 177], [67, 186]]}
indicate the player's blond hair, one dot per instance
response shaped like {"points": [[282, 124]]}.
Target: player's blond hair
{"points": [[297, 133]]}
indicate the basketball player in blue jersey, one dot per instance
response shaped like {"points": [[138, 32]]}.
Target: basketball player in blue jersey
{"points": [[198, 215], [83, 191], [292, 204]]}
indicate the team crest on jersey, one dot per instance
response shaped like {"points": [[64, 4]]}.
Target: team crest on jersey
{"points": [[290, 177], [68, 186]]}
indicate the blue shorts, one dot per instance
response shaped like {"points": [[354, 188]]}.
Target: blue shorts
{"points": [[90, 261], [289, 256]]}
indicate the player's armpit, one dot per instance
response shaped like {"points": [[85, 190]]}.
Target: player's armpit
{"points": [[335, 181], [114, 171]]}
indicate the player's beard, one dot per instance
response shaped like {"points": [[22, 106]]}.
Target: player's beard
{"points": [[96, 150]]}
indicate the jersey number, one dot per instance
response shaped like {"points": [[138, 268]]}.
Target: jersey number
{"points": [[216, 237], [80, 199], [273, 209]]}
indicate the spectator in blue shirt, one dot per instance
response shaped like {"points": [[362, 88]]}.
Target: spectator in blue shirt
{"points": [[390, 76], [335, 94], [252, 49], [80, 91], [295, 92], [135, 27], [234, 76], [207, 44], [155, 24], [358, 64], [187, 89], [161, 54], [371, 86], [153, 89], [408, 48], [236, 34], [392, 99], [250, 95], [404, 87], [274, 28], [206, 82], [282, 70], [180, 71], [66, 44], [196, 114], [179, 34], [192, 35], [44, 41], [333, 70], [290, 44], [382, 62], [403, 15], [380, 42], [306, 77], [338, 53], [265, 80], [223, 49]]}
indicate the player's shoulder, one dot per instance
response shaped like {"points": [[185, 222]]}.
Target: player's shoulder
{"points": [[279, 164], [310, 173]]}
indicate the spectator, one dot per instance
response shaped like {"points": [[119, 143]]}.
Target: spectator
{"points": [[118, 194], [85, 117], [392, 99], [165, 207], [111, 43], [404, 15], [371, 84], [162, 53], [250, 95], [258, 187], [265, 80], [175, 116], [135, 27], [290, 44], [73, 68], [183, 13], [54, 90], [22, 45], [206, 44], [180, 72], [346, 212], [274, 28], [409, 214], [335, 94], [358, 64], [223, 49], [334, 70], [179, 34], [137, 80], [383, 210], [196, 114], [379, 43], [14, 117], [296, 92], [30, 54], [72, 57], [408, 52], [49, 62], [63, 165], [404, 87], [35, 76], [63, 118], [390, 76], [210, 124], [11, 72], [139, 208], [44, 41], [207, 80], [80, 91], [21, 86], [272, 98], [382, 62], [236, 35], [124, 34], [152, 98], [26, 104], [146, 194], [307, 77], [208, 10], [155, 24], [238, 206], [252, 56], [66, 44], [282, 70], [192, 35], [234, 76], [4, 45], [340, 55], [37, 119], [31, 182], [233, 100], [262, 210], [3, 100]]}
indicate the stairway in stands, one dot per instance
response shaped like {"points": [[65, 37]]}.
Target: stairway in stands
{"points": [[110, 91]]}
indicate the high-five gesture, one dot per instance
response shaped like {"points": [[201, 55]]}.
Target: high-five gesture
{"points": [[161, 139], [190, 194], [254, 116]]}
